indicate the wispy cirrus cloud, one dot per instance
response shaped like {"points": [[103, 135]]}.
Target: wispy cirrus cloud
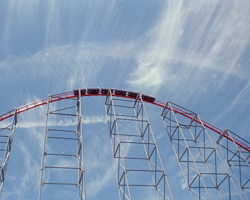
{"points": [[67, 66], [31, 173], [63, 123], [99, 166], [192, 45]]}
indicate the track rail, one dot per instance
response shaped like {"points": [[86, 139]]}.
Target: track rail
{"points": [[69, 95]]}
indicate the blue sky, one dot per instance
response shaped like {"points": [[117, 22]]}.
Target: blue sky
{"points": [[193, 53]]}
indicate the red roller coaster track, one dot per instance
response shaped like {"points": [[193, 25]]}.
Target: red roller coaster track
{"points": [[69, 95]]}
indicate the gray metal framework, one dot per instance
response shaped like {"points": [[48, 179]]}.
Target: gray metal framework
{"points": [[204, 171], [6, 139], [237, 156], [139, 168], [62, 157]]}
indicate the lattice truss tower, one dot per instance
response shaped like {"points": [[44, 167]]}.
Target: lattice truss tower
{"points": [[211, 169]]}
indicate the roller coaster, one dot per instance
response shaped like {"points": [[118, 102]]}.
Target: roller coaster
{"points": [[211, 169]]}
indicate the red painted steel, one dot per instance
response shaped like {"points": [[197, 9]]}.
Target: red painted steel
{"points": [[70, 95]]}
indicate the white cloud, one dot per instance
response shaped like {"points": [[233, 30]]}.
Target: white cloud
{"points": [[183, 184], [240, 99], [18, 11], [63, 123], [29, 176], [97, 184], [191, 44], [67, 66], [99, 168]]}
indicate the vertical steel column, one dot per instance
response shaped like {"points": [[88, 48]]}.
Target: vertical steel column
{"points": [[203, 169], [10, 136], [43, 152], [154, 161], [62, 159], [119, 161], [80, 155], [139, 169], [238, 158]]}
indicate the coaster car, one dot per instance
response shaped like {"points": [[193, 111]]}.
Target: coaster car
{"points": [[93, 90], [120, 92], [149, 98], [132, 94], [83, 91]]}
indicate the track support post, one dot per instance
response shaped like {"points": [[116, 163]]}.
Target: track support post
{"points": [[6, 133], [237, 152], [62, 166], [139, 168], [203, 169]]}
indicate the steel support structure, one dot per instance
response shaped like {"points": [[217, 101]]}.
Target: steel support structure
{"points": [[62, 163], [139, 169], [6, 140], [238, 157], [203, 169]]}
